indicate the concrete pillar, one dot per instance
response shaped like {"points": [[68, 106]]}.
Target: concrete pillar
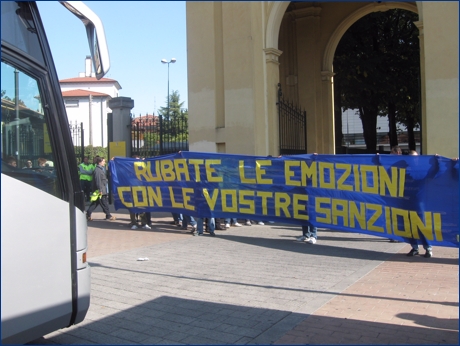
{"points": [[119, 123]]}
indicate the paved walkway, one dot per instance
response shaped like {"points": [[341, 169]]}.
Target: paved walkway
{"points": [[256, 285]]}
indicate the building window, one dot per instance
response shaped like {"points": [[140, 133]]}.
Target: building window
{"points": [[71, 103]]}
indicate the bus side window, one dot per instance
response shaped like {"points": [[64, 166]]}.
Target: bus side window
{"points": [[25, 140]]}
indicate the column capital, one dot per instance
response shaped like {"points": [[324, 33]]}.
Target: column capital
{"points": [[121, 102], [419, 25], [272, 55], [327, 75]]}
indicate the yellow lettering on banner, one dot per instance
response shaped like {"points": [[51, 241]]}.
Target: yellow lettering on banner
{"points": [[340, 183], [243, 178], [378, 212], [390, 183], [395, 212], [323, 166], [211, 170], [187, 194], [250, 209], [288, 174], [356, 176], [402, 181], [308, 172], [167, 170], [142, 170], [437, 226], [211, 200], [121, 191], [282, 202], [339, 209], [358, 215], [174, 204], [196, 165], [418, 225], [375, 179], [320, 210], [264, 196], [388, 220], [154, 197], [261, 172], [180, 165], [140, 202], [234, 203], [298, 207]]}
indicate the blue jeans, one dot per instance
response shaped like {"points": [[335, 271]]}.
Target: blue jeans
{"points": [[187, 220], [177, 217], [310, 231], [414, 244], [233, 220], [211, 225]]}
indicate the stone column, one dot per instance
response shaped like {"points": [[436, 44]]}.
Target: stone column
{"points": [[307, 22], [272, 80], [119, 123]]}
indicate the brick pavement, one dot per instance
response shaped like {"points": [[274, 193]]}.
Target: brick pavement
{"points": [[255, 285], [408, 300]]}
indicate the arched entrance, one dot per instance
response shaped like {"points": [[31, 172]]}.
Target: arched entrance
{"points": [[303, 38]]}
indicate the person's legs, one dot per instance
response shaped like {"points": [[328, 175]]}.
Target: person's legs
{"points": [[227, 222], [91, 208], [414, 250], [211, 226], [312, 234], [304, 236], [426, 246], [105, 207], [199, 226], [133, 223], [185, 221], [176, 218]]}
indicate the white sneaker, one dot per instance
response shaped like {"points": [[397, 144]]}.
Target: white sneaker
{"points": [[238, 225], [311, 241], [227, 225], [193, 228], [260, 223], [146, 227], [303, 238], [248, 223], [134, 227]]}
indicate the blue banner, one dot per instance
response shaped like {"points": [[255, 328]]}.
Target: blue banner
{"points": [[393, 196]]}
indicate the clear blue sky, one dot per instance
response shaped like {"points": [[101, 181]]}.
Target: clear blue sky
{"points": [[139, 34]]}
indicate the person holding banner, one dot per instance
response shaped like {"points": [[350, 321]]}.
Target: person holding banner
{"points": [[396, 150], [413, 242]]}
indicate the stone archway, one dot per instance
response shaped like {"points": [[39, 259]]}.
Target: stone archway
{"points": [[322, 117]]}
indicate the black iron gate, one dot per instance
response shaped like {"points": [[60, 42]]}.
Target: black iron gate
{"points": [[292, 127], [153, 135], [78, 139]]}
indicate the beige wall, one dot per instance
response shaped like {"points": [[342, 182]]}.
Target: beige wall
{"points": [[239, 51], [440, 98]]}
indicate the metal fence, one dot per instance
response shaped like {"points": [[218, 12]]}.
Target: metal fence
{"points": [[78, 138], [153, 135], [292, 127]]}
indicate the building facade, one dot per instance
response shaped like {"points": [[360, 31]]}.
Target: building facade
{"points": [[238, 53], [86, 100]]}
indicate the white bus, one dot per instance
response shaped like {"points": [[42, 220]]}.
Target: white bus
{"points": [[45, 276]]}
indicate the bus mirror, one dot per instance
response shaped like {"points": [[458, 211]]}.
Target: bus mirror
{"points": [[95, 33]]}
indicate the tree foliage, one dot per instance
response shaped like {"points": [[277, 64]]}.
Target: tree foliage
{"points": [[377, 66], [174, 120]]}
